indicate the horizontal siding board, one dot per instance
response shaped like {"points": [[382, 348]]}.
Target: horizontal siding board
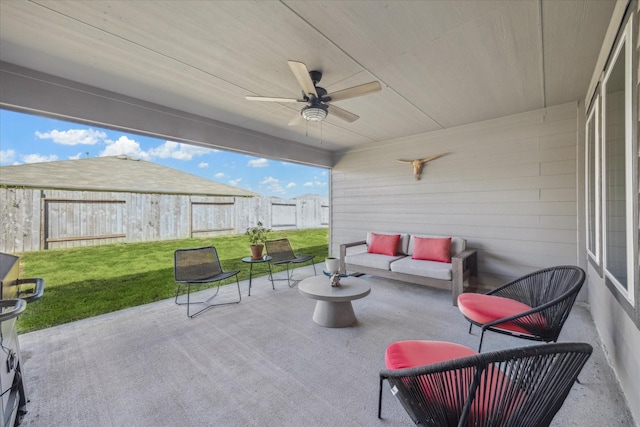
{"points": [[508, 186]]}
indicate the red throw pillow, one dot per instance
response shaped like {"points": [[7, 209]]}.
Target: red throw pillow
{"points": [[432, 249], [384, 244]]}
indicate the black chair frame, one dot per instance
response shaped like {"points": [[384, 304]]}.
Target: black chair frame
{"points": [[281, 253], [528, 390], [535, 289], [190, 273]]}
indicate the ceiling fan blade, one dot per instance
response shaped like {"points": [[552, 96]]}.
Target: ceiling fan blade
{"points": [[268, 99], [297, 119], [342, 114], [352, 92], [301, 73]]}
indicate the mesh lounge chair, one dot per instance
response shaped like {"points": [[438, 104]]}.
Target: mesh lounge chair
{"points": [[281, 254], [200, 266], [521, 387], [532, 307]]}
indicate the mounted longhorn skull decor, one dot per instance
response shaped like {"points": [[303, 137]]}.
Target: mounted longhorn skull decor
{"points": [[418, 163]]}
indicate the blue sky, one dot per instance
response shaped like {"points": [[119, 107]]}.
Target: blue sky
{"points": [[26, 138]]}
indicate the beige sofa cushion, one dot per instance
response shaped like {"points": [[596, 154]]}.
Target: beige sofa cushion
{"points": [[433, 269], [366, 259]]}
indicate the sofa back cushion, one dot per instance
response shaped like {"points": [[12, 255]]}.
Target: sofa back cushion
{"points": [[402, 246], [384, 244], [458, 244]]}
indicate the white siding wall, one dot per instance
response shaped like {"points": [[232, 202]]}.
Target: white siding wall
{"points": [[508, 186]]}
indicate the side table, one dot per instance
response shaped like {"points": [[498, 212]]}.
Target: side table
{"points": [[252, 261], [333, 304]]}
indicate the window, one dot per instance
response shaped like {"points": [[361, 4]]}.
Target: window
{"points": [[617, 166], [592, 168]]}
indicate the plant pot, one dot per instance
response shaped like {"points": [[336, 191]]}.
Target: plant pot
{"points": [[332, 264], [256, 251]]}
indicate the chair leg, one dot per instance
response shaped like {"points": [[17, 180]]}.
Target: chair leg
{"points": [[481, 338], [238, 286], [380, 398], [289, 276], [314, 268], [207, 303], [271, 276], [177, 292], [470, 326]]}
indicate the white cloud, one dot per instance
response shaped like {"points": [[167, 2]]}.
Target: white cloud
{"points": [[258, 163], [37, 158], [272, 185], [76, 157], [235, 182], [308, 184], [73, 136], [291, 185], [220, 175], [177, 150], [269, 180], [7, 156], [124, 146], [203, 165]]}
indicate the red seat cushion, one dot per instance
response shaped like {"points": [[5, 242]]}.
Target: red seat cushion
{"points": [[494, 385], [487, 308], [411, 353]]}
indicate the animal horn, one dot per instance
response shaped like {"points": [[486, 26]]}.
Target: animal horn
{"points": [[428, 159]]}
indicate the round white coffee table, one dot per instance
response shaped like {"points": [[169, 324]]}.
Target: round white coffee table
{"points": [[333, 306]]}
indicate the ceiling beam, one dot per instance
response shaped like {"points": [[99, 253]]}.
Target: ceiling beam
{"points": [[29, 91]]}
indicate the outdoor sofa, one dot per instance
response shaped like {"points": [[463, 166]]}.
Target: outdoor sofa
{"points": [[437, 261]]}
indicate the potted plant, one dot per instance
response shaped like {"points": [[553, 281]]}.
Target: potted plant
{"points": [[257, 236]]}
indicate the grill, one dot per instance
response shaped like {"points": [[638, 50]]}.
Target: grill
{"points": [[15, 293]]}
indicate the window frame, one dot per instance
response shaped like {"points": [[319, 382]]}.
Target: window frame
{"points": [[625, 40], [593, 116]]}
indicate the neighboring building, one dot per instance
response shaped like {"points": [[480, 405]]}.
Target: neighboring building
{"points": [[114, 174]]}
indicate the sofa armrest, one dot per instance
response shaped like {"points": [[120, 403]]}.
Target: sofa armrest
{"points": [[343, 252], [464, 268]]}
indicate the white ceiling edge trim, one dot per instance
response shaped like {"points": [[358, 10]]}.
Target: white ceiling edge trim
{"points": [[29, 91], [528, 117], [607, 46]]}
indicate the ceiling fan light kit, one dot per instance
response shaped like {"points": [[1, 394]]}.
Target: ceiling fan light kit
{"points": [[314, 113], [317, 99]]}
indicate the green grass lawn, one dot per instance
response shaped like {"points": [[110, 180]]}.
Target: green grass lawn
{"points": [[86, 282]]}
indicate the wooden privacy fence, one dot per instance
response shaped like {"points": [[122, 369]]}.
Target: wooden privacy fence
{"points": [[34, 219]]}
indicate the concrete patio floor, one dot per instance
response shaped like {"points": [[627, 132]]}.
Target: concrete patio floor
{"points": [[265, 362]]}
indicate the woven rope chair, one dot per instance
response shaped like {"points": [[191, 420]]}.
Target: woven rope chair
{"points": [[534, 306], [200, 266], [521, 387], [281, 253]]}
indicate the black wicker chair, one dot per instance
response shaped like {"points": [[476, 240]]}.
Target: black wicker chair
{"points": [[200, 266], [281, 253], [521, 387], [534, 306]]}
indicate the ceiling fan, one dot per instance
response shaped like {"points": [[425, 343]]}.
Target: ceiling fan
{"points": [[316, 97]]}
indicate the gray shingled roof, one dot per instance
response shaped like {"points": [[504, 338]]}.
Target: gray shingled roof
{"points": [[114, 173]]}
